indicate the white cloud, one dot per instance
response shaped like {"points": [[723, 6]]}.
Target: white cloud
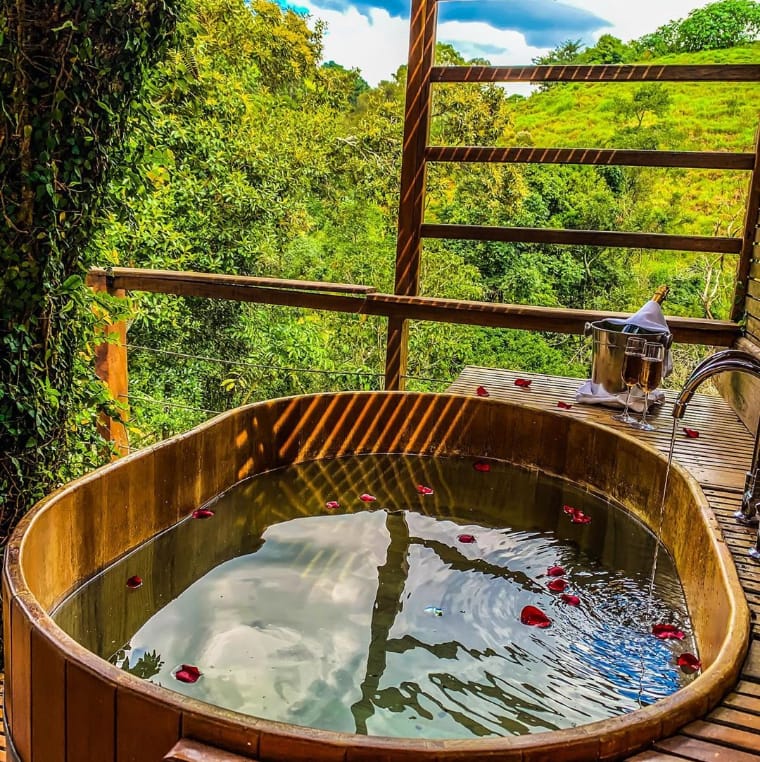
{"points": [[378, 45], [632, 19]]}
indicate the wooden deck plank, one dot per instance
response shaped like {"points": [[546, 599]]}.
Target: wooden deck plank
{"points": [[743, 703], [735, 738], [719, 459], [694, 749], [748, 689], [725, 715]]}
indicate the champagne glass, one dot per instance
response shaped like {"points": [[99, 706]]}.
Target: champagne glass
{"points": [[650, 377], [634, 353]]}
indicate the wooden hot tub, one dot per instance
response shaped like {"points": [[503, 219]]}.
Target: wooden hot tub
{"points": [[64, 703]]}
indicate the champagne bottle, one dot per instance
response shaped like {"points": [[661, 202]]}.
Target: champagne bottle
{"points": [[658, 297]]}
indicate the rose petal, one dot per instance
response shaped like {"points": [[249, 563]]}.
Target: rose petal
{"points": [[366, 498], [481, 391], [555, 571], [332, 505], [569, 510], [667, 632], [557, 585], [423, 490], [570, 600], [688, 663], [187, 673], [534, 617], [466, 538], [564, 405], [481, 466], [579, 517], [524, 383], [691, 433], [202, 513], [134, 582]]}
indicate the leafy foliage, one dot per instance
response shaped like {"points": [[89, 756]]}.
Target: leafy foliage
{"points": [[247, 162], [724, 24], [69, 71]]}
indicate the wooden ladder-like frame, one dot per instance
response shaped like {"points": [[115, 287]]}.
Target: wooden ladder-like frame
{"points": [[412, 229]]}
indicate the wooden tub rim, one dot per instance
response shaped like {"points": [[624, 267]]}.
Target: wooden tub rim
{"points": [[689, 703]]}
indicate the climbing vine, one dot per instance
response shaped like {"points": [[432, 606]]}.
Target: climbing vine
{"points": [[68, 73]]}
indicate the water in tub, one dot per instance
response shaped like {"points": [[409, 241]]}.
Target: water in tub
{"points": [[404, 615]]}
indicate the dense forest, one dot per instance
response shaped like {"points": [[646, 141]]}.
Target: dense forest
{"points": [[244, 152], [249, 155]]}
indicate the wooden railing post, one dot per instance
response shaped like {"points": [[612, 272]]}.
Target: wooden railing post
{"points": [[111, 367], [749, 239], [413, 175]]}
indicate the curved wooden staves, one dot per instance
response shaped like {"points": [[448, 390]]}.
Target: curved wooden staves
{"points": [[63, 703]]}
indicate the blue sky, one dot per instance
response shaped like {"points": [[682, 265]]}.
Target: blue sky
{"points": [[372, 35]]}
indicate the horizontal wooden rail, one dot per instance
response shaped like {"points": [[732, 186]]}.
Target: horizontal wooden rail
{"points": [[133, 277], [584, 238], [595, 156], [530, 318], [599, 73], [369, 302]]}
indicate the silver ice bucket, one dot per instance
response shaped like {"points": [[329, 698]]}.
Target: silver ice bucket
{"points": [[608, 352]]}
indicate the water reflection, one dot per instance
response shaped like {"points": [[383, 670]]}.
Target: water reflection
{"points": [[325, 620]]}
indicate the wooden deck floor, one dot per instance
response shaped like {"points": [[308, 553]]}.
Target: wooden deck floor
{"points": [[719, 459]]}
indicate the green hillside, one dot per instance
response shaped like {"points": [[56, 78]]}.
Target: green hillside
{"points": [[700, 117]]}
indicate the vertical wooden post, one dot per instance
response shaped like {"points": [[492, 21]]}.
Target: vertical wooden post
{"points": [[111, 368], [413, 176], [749, 239]]}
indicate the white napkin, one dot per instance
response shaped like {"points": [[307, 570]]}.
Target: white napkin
{"points": [[590, 393], [652, 319]]}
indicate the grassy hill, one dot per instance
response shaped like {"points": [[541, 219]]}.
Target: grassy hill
{"points": [[701, 117]]}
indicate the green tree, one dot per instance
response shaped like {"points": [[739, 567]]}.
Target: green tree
{"points": [[724, 24], [651, 99], [566, 52], [69, 73]]}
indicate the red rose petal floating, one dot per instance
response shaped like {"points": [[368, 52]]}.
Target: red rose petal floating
{"points": [[466, 538], [423, 490], [557, 585], [555, 571], [564, 405], [579, 517], [570, 600], [691, 433], [481, 466], [523, 383], [202, 513], [481, 391], [534, 617], [367, 498], [667, 632], [332, 505], [688, 663], [187, 673], [134, 582]]}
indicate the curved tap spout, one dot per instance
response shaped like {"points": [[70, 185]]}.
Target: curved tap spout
{"points": [[730, 360]]}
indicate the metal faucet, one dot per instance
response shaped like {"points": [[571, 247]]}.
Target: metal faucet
{"points": [[731, 360]]}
